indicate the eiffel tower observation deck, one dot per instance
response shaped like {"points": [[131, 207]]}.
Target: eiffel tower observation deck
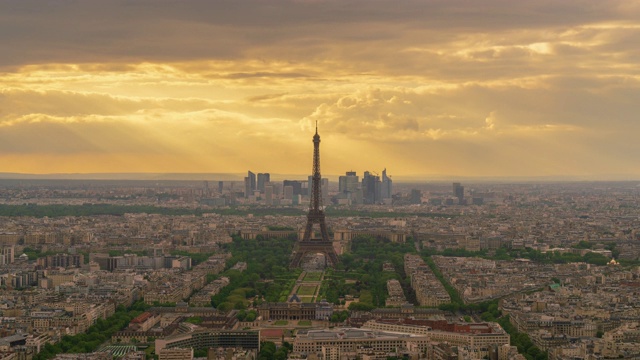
{"points": [[310, 244]]}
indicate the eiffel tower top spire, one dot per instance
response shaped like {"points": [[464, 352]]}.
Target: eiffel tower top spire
{"points": [[316, 192]]}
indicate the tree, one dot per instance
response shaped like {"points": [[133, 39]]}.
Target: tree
{"points": [[200, 353], [358, 306], [239, 305], [267, 350], [487, 316], [583, 245], [280, 354], [251, 316]]}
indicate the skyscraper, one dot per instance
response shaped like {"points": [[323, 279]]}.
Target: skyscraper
{"points": [[387, 186], [268, 195], [263, 178], [205, 188], [348, 182], [325, 190], [288, 192], [415, 197], [249, 184], [371, 188], [295, 185], [458, 191]]}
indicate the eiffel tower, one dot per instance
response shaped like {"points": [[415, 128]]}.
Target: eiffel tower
{"points": [[309, 244]]}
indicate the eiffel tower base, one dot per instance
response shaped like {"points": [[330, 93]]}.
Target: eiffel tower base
{"points": [[314, 246]]}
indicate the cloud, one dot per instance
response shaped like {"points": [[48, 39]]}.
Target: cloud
{"points": [[69, 103], [124, 31], [424, 86], [266, 75], [400, 116]]}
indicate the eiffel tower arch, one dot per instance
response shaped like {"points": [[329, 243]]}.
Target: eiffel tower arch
{"points": [[310, 244]]}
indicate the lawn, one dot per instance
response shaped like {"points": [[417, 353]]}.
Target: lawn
{"points": [[307, 299], [304, 323], [313, 276], [281, 322], [307, 290]]}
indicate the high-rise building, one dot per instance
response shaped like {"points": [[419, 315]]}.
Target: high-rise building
{"points": [[249, 184], [295, 185], [268, 195], [277, 189], [458, 191], [288, 192], [415, 197], [387, 186], [371, 188], [263, 179], [324, 184], [348, 182]]}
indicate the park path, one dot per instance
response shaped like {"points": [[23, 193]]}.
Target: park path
{"points": [[315, 296], [301, 281], [298, 282], [301, 277]]}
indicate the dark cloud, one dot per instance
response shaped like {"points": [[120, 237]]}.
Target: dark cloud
{"points": [[266, 97], [32, 31], [266, 75]]}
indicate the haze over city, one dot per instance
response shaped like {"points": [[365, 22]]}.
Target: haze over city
{"points": [[319, 180], [424, 88]]}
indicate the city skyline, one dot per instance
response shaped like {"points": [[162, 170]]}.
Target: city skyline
{"points": [[435, 89]]}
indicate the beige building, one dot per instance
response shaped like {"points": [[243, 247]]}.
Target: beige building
{"points": [[351, 339], [176, 354], [497, 336], [7, 254]]}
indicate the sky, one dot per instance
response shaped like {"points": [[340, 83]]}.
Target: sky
{"points": [[450, 88]]}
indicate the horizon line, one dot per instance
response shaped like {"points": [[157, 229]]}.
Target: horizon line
{"points": [[239, 176]]}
